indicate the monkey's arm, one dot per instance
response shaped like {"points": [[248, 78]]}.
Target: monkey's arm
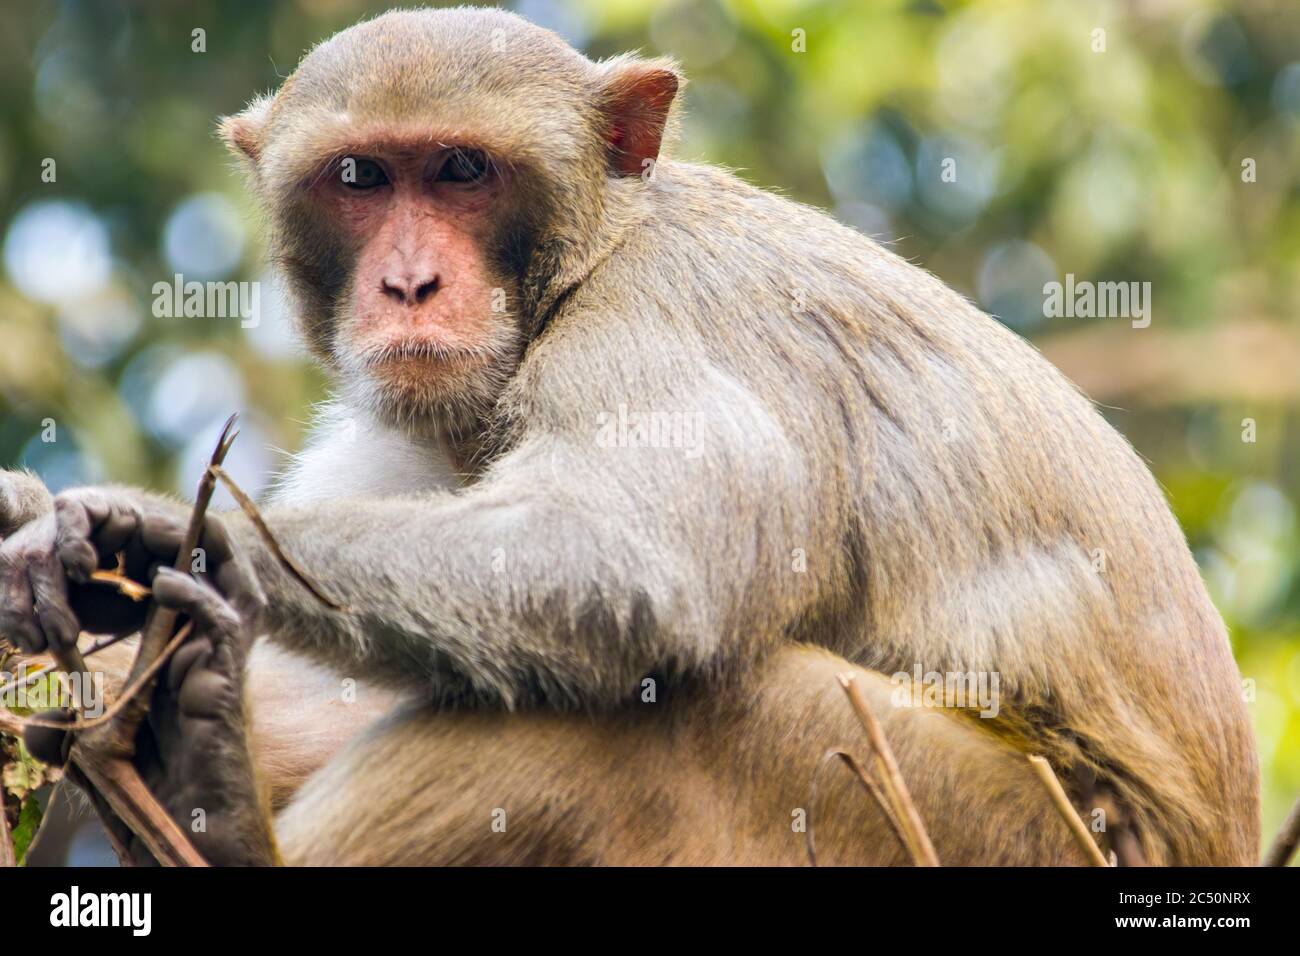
{"points": [[569, 573], [578, 564]]}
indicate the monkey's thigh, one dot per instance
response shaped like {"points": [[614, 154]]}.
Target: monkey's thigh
{"points": [[714, 778]]}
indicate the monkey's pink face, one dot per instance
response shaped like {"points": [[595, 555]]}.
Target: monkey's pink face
{"points": [[425, 321]]}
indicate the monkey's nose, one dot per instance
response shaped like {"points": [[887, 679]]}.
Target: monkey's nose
{"points": [[407, 289]]}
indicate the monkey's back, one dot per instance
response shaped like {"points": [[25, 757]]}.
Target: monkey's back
{"points": [[975, 512]]}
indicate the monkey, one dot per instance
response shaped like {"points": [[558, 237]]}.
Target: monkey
{"points": [[494, 251]]}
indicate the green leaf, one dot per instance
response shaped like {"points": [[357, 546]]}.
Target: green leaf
{"points": [[29, 820]]}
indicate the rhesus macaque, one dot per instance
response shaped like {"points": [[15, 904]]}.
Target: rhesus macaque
{"points": [[492, 250]]}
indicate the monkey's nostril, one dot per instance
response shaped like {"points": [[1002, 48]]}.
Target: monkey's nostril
{"points": [[394, 288], [406, 290], [426, 289]]}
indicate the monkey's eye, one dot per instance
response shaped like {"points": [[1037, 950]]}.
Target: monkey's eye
{"points": [[362, 173], [464, 166]]}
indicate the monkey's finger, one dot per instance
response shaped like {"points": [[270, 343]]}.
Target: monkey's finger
{"points": [[168, 743], [163, 534], [196, 651], [18, 621], [235, 580], [115, 531], [212, 615], [91, 527], [209, 684], [49, 586], [215, 540], [47, 744]]}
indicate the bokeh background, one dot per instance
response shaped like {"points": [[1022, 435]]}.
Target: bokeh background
{"points": [[1115, 164]]}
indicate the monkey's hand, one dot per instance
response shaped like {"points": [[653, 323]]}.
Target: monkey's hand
{"points": [[23, 498], [192, 752], [46, 594]]}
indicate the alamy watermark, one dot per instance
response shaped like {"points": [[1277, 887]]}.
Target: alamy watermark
{"points": [[633, 429], [1098, 300], [79, 690], [208, 300], [966, 690], [133, 911]]}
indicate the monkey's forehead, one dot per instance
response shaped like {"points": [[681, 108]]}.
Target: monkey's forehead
{"points": [[409, 60], [457, 77]]}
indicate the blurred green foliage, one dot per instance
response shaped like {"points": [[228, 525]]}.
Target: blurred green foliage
{"points": [[1164, 149]]}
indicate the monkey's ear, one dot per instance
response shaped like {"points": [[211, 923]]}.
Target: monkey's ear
{"points": [[242, 133], [638, 95]]}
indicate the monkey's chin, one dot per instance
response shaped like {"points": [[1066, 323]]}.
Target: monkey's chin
{"points": [[443, 394]]}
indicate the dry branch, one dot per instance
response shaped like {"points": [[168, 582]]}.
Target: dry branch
{"points": [[870, 786], [286, 562], [900, 799], [1067, 811], [31, 676], [118, 579], [100, 759], [102, 756], [123, 699]]}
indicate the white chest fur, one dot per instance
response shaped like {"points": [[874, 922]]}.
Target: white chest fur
{"points": [[350, 455]]}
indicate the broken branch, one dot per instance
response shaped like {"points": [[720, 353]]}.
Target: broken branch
{"points": [[869, 785], [918, 840], [1063, 806]]}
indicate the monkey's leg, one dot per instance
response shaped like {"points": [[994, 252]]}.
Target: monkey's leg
{"points": [[681, 781], [684, 781]]}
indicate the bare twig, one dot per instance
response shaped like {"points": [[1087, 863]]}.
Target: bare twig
{"points": [[869, 785], [112, 823], [1067, 811], [103, 754], [12, 724], [123, 699], [117, 791], [250, 509], [1284, 846], [102, 751], [895, 787], [161, 621], [29, 677]]}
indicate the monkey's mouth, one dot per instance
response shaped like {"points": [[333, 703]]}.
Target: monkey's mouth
{"points": [[413, 356]]}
